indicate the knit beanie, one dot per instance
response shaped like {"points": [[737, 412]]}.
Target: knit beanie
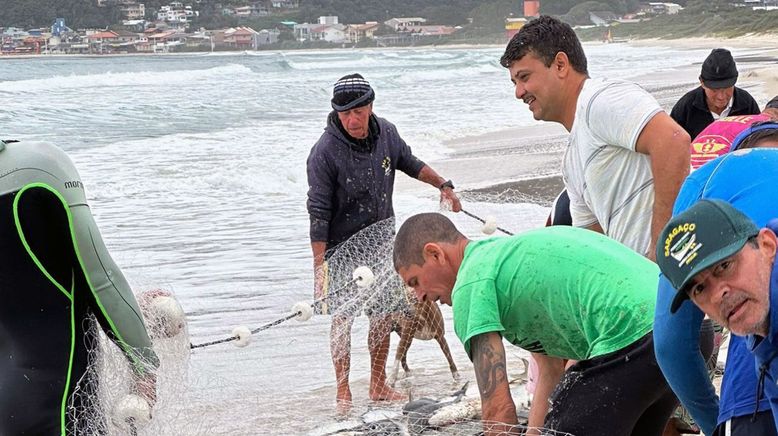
{"points": [[350, 92]]}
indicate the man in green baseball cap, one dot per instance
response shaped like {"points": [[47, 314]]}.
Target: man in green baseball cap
{"points": [[716, 256]]}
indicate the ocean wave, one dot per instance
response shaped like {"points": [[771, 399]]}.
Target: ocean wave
{"points": [[391, 59], [456, 72], [115, 80]]}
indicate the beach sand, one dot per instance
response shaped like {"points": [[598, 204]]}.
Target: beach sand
{"points": [[766, 42], [767, 76]]}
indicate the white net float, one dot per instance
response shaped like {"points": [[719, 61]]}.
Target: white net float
{"points": [[304, 309], [363, 276], [169, 314], [490, 225], [243, 334], [130, 412]]}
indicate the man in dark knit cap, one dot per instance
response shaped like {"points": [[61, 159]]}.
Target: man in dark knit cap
{"points": [[716, 97], [351, 172]]}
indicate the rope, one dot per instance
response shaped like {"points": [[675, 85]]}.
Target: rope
{"points": [[483, 221], [274, 323]]}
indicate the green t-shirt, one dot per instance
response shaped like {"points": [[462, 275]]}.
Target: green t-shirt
{"points": [[561, 291]]}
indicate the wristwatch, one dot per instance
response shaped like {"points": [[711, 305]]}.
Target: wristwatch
{"points": [[446, 184]]}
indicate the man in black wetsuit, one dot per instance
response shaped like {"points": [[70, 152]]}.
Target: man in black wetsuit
{"points": [[56, 277]]}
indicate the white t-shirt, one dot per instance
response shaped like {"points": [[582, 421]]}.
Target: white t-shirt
{"points": [[607, 180], [724, 113]]}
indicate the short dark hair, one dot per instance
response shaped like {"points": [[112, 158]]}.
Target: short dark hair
{"points": [[772, 104], [755, 138], [419, 230], [545, 37]]}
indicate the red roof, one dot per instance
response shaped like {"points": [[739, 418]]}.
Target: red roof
{"points": [[162, 35], [103, 35]]}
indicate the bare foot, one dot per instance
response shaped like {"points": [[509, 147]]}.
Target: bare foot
{"points": [[343, 401], [385, 393], [343, 407]]}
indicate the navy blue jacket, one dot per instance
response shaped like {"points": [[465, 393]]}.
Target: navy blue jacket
{"points": [[692, 113], [350, 186], [676, 336], [766, 349]]}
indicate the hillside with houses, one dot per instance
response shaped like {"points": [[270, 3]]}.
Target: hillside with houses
{"points": [[202, 25], [173, 27]]}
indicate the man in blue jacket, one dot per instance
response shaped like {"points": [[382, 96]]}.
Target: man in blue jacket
{"points": [[718, 258], [351, 180], [748, 180]]}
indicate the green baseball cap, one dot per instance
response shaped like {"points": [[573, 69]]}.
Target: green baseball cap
{"points": [[698, 238]]}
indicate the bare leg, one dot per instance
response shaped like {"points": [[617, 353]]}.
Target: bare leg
{"points": [[340, 348], [378, 344]]}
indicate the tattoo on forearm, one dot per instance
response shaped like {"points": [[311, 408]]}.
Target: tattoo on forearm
{"points": [[489, 365]]}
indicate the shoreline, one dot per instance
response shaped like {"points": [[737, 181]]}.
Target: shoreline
{"points": [[766, 42], [448, 46]]}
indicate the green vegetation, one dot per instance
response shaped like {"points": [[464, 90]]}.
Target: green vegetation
{"points": [[41, 13], [579, 14], [700, 18], [349, 11], [487, 15], [562, 7]]}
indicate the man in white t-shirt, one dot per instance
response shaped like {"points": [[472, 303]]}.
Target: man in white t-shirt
{"points": [[626, 158]]}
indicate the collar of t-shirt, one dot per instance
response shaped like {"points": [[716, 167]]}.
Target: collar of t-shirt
{"points": [[724, 113]]}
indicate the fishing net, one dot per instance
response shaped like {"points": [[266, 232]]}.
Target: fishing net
{"points": [[391, 307], [455, 414], [385, 302], [205, 392], [106, 394]]}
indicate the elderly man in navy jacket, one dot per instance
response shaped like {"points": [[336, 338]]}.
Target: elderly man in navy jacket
{"points": [[351, 180]]}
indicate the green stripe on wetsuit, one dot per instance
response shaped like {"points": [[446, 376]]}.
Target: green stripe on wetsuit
{"points": [[53, 248]]}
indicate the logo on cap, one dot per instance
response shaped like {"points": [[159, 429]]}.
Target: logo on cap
{"points": [[699, 237], [684, 250]]}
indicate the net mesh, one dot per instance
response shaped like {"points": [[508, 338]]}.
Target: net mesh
{"points": [[97, 402], [391, 307], [508, 195]]}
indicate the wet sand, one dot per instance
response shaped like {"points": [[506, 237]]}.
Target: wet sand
{"points": [[542, 188]]}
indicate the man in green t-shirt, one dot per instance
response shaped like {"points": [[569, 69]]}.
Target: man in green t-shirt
{"points": [[560, 293]]}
